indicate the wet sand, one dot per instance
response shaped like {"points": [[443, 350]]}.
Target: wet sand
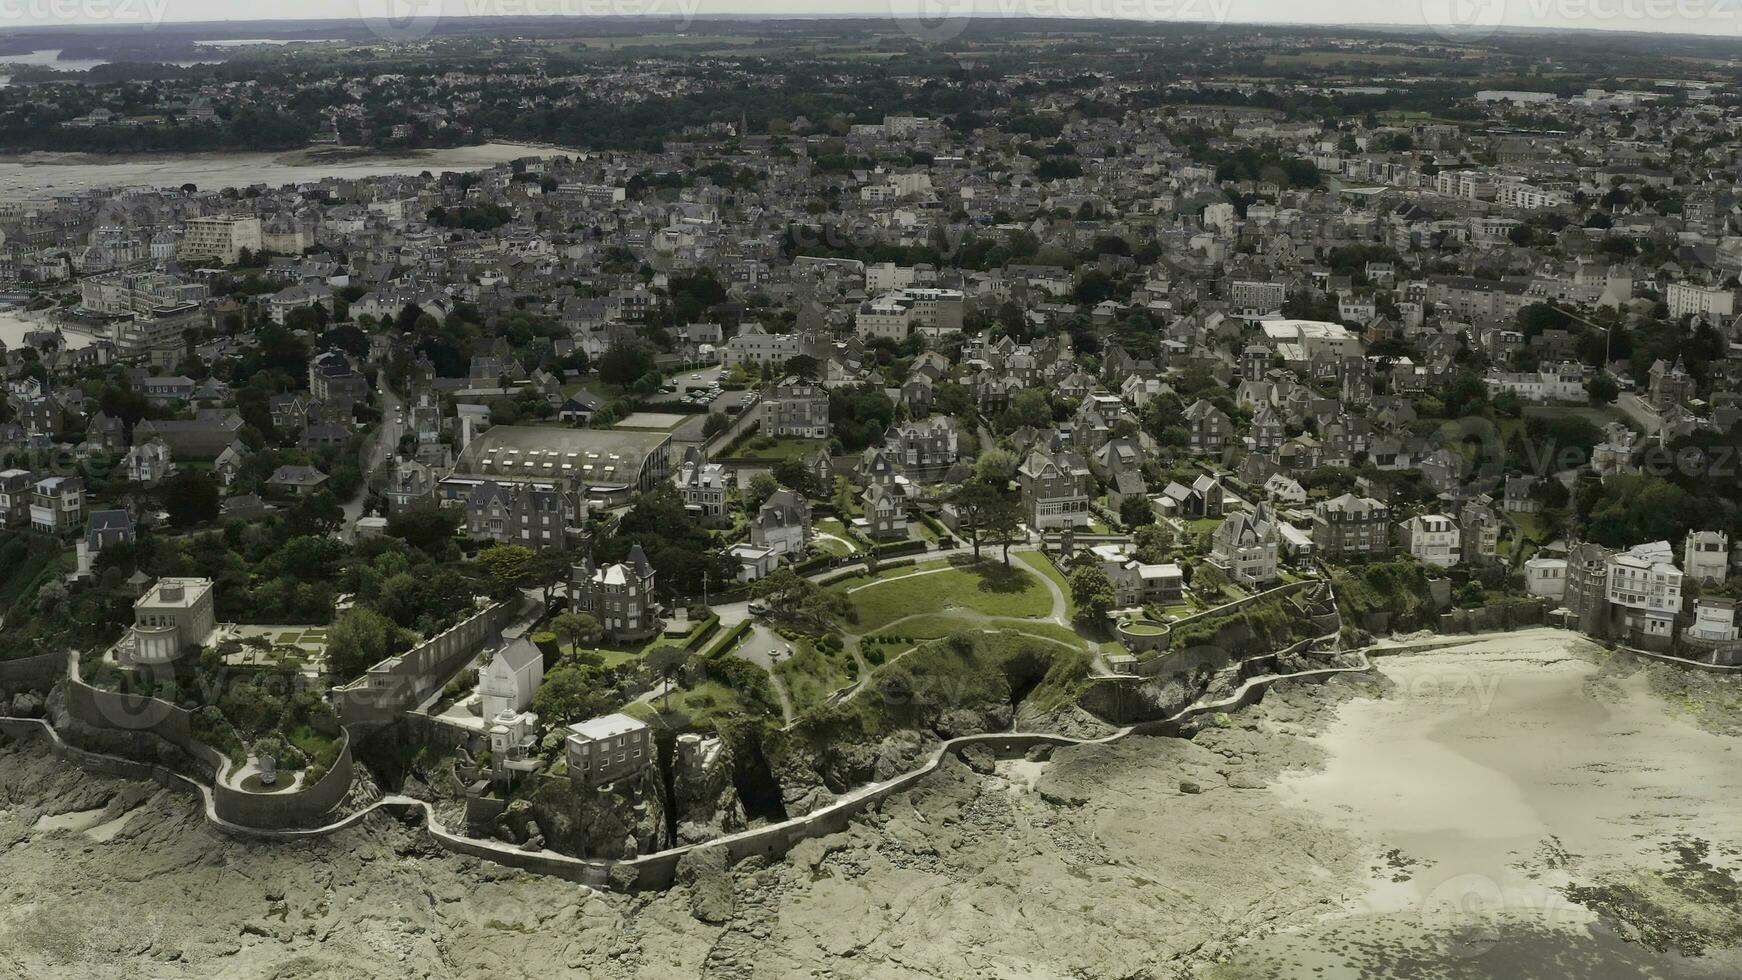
{"points": [[1492, 778], [40, 174], [15, 323]]}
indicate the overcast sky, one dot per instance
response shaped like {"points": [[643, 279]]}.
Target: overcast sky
{"points": [[933, 17]]}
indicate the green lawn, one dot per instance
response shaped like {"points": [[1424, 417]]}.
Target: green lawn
{"points": [[943, 624], [311, 742], [616, 656], [706, 705], [1529, 525], [838, 547], [1044, 565], [811, 675], [989, 588], [763, 450]]}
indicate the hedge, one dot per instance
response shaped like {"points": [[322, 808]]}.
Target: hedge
{"points": [[700, 637]]}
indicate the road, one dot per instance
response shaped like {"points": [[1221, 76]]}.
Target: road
{"points": [[378, 448]]}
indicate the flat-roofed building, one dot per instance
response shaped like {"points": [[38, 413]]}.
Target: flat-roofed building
{"points": [[605, 749], [222, 238], [612, 464], [174, 614]]}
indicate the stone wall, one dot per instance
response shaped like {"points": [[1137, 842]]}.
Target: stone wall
{"points": [[302, 807], [38, 672], [1494, 619], [146, 718], [401, 683], [138, 714]]}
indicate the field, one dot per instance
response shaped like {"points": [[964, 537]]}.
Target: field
{"points": [[1324, 59], [811, 675], [762, 449], [1044, 566], [988, 589], [943, 624]]}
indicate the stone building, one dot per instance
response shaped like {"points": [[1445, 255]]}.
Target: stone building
{"points": [[605, 749], [619, 596]]}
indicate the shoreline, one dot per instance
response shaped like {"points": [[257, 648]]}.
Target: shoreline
{"points": [[1510, 814], [305, 156], [986, 861], [769, 842], [40, 173]]}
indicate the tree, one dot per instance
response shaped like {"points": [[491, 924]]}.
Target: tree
{"points": [[429, 529], [1209, 581], [626, 364], [793, 597], [762, 486], [795, 476], [548, 568], [717, 423], [191, 497], [1136, 511], [803, 366], [1093, 593], [572, 692], [578, 628], [1002, 521], [668, 662], [973, 500], [508, 568], [1602, 389], [996, 466], [1029, 408], [360, 639], [1154, 542]]}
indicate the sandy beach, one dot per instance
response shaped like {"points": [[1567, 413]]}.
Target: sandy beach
{"points": [[39, 174], [15, 323], [1494, 780], [1453, 815]]}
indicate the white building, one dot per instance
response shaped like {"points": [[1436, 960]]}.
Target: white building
{"points": [[222, 238], [1692, 299], [1559, 382], [1706, 556], [1313, 337], [1645, 582], [1285, 489], [1546, 577], [174, 614], [1714, 622], [1434, 539], [507, 682]]}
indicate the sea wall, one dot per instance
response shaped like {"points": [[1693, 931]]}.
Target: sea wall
{"points": [[400, 683], [1495, 619], [143, 719], [302, 807], [38, 672]]}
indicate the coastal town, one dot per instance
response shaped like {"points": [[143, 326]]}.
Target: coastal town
{"points": [[617, 500]]}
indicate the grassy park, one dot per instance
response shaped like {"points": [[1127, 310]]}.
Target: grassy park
{"points": [[990, 589]]}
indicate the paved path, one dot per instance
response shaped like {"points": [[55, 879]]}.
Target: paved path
{"points": [[515, 857], [765, 648], [1061, 607], [898, 578], [508, 854]]}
